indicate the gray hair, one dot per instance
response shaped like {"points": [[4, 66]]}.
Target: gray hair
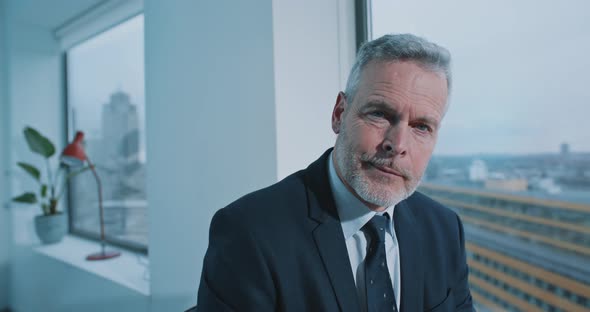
{"points": [[400, 47]]}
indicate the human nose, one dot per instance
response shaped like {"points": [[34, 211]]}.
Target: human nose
{"points": [[396, 140]]}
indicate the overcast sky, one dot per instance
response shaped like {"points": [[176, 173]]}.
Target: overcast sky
{"points": [[111, 61], [521, 70]]}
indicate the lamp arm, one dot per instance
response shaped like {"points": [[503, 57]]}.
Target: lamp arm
{"points": [[100, 208]]}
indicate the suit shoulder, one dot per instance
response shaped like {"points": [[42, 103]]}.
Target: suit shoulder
{"points": [[274, 200], [425, 207], [438, 223]]}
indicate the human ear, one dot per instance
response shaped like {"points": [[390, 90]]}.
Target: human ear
{"points": [[338, 112]]}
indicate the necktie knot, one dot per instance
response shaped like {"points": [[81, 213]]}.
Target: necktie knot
{"points": [[376, 227]]}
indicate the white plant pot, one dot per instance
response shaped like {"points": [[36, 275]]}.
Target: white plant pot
{"points": [[51, 228]]}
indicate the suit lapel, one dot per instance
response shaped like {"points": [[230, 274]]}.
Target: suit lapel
{"points": [[328, 234], [330, 242], [412, 262]]}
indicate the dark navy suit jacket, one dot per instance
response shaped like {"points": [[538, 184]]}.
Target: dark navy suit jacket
{"points": [[282, 249]]}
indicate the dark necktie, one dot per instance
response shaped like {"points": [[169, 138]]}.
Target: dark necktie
{"points": [[378, 283]]}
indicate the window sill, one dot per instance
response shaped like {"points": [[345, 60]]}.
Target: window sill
{"points": [[129, 270]]}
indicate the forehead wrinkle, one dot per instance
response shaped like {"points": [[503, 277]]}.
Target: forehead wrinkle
{"points": [[402, 87], [401, 97], [399, 104]]}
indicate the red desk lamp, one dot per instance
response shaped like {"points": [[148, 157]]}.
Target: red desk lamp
{"points": [[73, 155]]}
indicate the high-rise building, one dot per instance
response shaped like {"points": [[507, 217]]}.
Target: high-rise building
{"points": [[478, 171], [120, 127], [524, 253], [565, 149], [123, 173]]}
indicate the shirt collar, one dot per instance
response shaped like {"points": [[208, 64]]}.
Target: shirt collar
{"points": [[352, 212]]}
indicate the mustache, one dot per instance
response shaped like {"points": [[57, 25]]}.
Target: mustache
{"points": [[388, 163]]}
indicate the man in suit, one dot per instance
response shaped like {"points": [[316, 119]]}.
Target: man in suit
{"points": [[349, 233]]}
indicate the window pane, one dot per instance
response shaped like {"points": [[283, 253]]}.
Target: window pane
{"points": [[105, 78], [513, 156]]}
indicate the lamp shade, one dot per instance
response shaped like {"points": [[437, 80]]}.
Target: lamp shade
{"points": [[73, 155]]}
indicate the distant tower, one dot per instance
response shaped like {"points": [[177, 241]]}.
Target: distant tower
{"points": [[119, 119], [478, 171], [565, 149]]}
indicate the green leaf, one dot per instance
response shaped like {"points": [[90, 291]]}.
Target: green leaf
{"points": [[43, 190], [38, 143], [30, 169], [27, 198]]}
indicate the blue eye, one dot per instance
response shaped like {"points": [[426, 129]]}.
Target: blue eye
{"points": [[377, 114], [423, 128]]}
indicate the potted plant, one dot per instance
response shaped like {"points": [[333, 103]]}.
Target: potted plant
{"points": [[51, 225]]}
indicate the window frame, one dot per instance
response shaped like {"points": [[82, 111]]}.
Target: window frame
{"points": [[363, 24], [69, 133]]}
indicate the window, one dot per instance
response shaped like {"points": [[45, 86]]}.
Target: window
{"points": [[513, 155], [105, 100]]}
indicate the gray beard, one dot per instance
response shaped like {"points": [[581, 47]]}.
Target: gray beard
{"points": [[379, 197], [376, 196]]}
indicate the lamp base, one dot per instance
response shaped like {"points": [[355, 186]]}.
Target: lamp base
{"points": [[103, 255]]}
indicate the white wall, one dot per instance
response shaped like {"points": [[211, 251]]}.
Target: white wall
{"points": [[313, 51], [5, 230], [210, 128]]}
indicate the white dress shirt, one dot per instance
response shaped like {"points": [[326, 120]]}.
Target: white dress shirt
{"points": [[353, 216]]}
